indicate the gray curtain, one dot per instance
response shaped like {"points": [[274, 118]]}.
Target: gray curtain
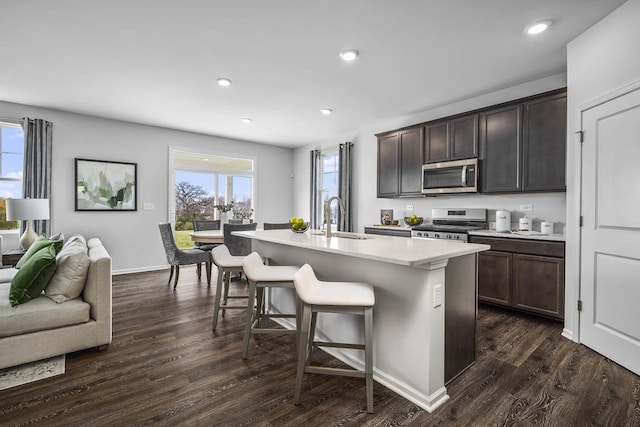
{"points": [[345, 164], [37, 165], [314, 221]]}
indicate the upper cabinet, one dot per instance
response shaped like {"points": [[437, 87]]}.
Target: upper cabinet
{"points": [[544, 144], [453, 139], [400, 157], [523, 145]]}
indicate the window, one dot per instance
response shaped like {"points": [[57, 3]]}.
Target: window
{"points": [[328, 186], [11, 169], [202, 180]]}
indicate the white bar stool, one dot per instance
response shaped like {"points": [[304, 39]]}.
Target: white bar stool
{"points": [[226, 264], [262, 276], [332, 297]]}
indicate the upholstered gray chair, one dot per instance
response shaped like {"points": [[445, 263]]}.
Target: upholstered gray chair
{"points": [[177, 257], [276, 225], [238, 246], [205, 225]]}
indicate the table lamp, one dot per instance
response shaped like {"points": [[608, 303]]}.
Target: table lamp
{"points": [[27, 210]]}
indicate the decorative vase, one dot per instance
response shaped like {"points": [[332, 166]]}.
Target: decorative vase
{"points": [[224, 217]]}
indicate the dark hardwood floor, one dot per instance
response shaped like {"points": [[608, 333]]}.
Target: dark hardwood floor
{"points": [[166, 367]]}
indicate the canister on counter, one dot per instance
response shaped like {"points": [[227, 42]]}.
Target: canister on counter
{"points": [[525, 224], [503, 221], [546, 227]]}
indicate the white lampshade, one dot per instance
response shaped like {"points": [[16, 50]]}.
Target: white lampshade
{"points": [[26, 209]]}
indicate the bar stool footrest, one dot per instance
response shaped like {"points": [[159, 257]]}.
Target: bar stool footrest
{"points": [[334, 371], [339, 345]]}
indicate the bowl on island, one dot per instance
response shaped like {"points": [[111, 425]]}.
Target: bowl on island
{"points": [[413, 220], [299, 228]]}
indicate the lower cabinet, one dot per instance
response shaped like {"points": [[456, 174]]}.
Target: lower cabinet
{"points": [[526, 275]]}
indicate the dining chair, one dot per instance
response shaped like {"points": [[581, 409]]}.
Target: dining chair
{"points": [[177, 257], [276, 225], [238, 246], [200, 225]]}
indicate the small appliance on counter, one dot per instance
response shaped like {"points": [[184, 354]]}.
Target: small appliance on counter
{"points": [[503, 221], [524, 224]]}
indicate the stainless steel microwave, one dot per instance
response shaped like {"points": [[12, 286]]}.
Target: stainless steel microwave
{"points": [[456, 176]]}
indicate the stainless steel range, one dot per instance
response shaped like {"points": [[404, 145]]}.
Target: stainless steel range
{"points": [[451, 224]]}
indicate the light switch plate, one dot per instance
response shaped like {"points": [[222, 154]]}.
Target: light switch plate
{"points": [[148, 206], [409, 207], [437, 295], [526, 208]]}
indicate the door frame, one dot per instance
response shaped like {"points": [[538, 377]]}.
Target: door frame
{"points": [[573, 285]]}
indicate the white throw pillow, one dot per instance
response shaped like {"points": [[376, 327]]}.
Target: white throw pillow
{"points": [[73, 263]]}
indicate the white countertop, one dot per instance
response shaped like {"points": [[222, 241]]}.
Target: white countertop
{"points": [[390, 249], [530, 235]]}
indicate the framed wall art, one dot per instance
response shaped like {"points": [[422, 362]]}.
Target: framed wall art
{"points": [[103, 185]]}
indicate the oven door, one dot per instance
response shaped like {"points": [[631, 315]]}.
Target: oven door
{"points": [[459, 176]]}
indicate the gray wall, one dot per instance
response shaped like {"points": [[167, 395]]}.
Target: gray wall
{"points": [[132, 238], [600, 61], [549, 206]]}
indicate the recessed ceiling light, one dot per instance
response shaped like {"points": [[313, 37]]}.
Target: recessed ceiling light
{"points": [[349, 54], [326, 111], [224, 81], [246, 120], [206, 160], [537, 27]]}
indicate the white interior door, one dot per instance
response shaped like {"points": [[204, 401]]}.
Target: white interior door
{"points": [[610, 252]]}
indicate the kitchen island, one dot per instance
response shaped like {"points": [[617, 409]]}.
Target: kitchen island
{"points": [[414, 281]]}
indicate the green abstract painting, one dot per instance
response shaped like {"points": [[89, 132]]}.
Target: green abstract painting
{"points": [[105, 185]]}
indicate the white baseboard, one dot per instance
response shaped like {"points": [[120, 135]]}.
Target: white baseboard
{"points": [[139, 270]]}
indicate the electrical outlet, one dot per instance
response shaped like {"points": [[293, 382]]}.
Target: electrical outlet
{"points": [[148, 206], [437, 295], [526, 208], [409, 207]]}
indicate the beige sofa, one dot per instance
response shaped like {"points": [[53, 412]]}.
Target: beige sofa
{"points": [[43, 328]]}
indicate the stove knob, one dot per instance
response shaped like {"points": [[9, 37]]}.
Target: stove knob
{"points": [[456, 237], [437, 236]]}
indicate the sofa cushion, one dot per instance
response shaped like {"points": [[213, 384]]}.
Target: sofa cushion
{"points": [[33, 277], [40, 243], [38, 314], [68, 281]]}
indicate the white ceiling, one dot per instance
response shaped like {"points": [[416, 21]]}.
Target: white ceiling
{"points": [[156, 61]]}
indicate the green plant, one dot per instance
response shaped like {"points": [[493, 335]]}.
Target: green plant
{"points": [[224, 208]]}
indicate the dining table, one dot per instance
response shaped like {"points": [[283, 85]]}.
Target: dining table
{"points": [[207, 237]]}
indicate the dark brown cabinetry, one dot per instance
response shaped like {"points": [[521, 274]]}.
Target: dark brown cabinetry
{"points": [[526, 275], [400, 232], [400, 163], [523, 145], [453, 139], [544, 144]]}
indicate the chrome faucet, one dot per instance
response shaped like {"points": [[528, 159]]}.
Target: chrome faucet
{"points": [[327, 212]]}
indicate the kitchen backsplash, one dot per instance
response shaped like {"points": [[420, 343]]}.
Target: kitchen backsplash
{"points": [[549, 207]]}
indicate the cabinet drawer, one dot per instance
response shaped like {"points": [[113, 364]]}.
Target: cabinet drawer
{"points": [[522, 246]]}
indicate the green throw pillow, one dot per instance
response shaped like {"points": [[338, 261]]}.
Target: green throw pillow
{"points": [[33, 277], [40, 243]]}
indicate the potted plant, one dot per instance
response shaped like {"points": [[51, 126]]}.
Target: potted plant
{"points": [[223, 210]]}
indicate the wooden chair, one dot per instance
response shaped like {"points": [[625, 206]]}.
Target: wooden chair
{"points": [[315, 296], [177, 257], [226, 264], [262, 276]]}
